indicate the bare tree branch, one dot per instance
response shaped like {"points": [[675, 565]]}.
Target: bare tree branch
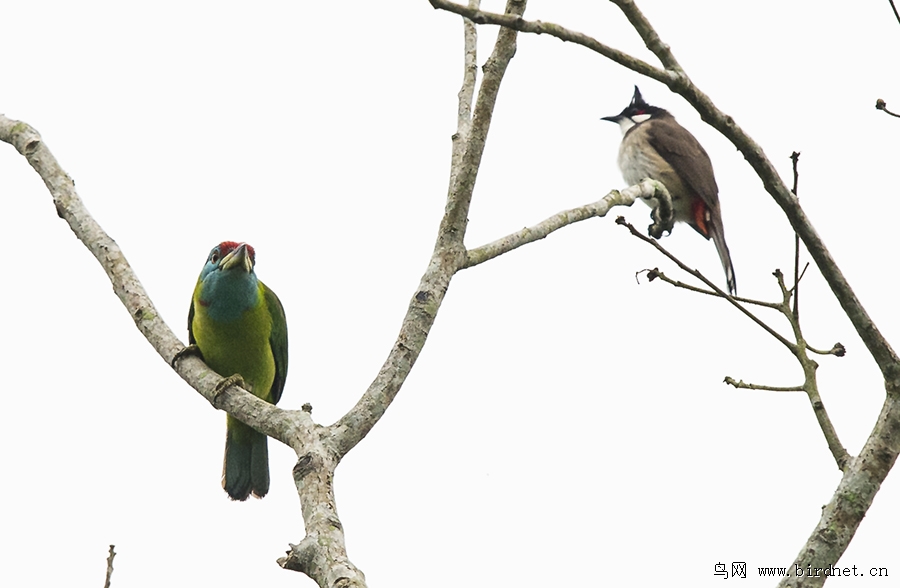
{"points": [[861, 481], [71, 209], [554, 30], [863, 475], [894, 8], [449, 254], [294, 428], [882, 105], [322, 553], [798, 349], [742, 385], [466, 92], [675, 78], [648, 189], [649, 36], [795, 158], [109, 566], [718, 291], [878, 346], [810, 381], [656, 273]]}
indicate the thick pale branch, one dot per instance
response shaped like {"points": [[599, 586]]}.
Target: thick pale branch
{"points": [[453, 225], [465, 95], [854, 495], [70, 208], [294, 428], [470, 73], [449, 254], [125, 283], [322, 554]]}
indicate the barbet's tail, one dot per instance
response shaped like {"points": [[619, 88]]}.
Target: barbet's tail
{"points": [[246, 467]]}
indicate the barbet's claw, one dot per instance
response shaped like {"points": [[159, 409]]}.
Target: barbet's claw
{"points": [[191, 349], [226, 383]]}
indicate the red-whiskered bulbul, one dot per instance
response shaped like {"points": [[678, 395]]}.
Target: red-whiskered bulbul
{"points": [[655, 146]]}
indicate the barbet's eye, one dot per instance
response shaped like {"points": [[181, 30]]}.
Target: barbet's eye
{"points": [[214, 257]]}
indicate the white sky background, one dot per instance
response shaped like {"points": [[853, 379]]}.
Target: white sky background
{"points": [[563, 424]]}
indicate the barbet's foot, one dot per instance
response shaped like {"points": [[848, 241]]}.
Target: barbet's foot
{"points": [[226, 383], [189, 350]]}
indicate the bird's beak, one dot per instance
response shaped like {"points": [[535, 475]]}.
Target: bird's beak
{"points": [[240, 257], [614, 118]]}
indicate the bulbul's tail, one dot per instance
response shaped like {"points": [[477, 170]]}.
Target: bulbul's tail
{"points": [[718, 237]]}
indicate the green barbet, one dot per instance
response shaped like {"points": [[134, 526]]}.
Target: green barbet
{"points": [[238, 326]]}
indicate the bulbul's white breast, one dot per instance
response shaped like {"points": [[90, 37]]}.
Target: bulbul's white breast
{"points": [[638, 160]]}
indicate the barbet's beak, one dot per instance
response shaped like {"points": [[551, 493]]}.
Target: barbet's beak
{"points": [[239, 258]]}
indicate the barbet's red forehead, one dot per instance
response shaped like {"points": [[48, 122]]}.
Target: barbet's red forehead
{"points": [[226, 247]]}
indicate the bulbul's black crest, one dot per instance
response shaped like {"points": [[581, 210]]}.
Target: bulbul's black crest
{"points": [[638, 106]]}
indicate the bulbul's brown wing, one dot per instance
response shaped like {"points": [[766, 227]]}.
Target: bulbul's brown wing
{"points": [[684, 153]]}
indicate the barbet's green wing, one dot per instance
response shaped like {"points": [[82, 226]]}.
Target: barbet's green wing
{"points": [[191, 340], [278, 340]]}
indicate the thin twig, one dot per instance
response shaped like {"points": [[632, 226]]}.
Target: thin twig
{"points": [[798, 349], [894, 8], [810, 380], [743, 385], [838, 350], [795, 157], [702, 278], [109, 566], [656, 273], [882, 105]]}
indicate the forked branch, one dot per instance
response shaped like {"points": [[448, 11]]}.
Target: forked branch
{"points": [[863, 475]]}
